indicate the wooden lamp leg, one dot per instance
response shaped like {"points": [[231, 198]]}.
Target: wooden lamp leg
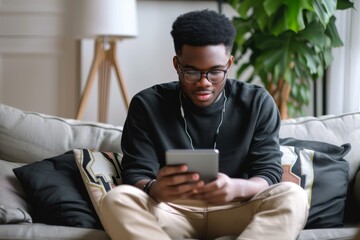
{"points": [[98, 58], [119, 75], [104, 91]]}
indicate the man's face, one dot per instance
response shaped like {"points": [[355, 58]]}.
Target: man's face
{"points": [[212, 58]]}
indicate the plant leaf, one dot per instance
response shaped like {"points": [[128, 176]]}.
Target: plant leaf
{"points": [[269, 59], [333, 34], [244, 8], [324, 10], [294, 14], [278, 22], [312, 60], [272, 6], [315, 34], [344, 4], [242, 28]]}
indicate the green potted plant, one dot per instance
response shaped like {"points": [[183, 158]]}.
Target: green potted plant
{"points": [[286, 44]]}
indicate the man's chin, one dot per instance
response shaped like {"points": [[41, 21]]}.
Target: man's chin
{"points": [[203, 104], [203, 100]]}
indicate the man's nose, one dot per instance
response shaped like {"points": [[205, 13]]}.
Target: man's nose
{"points": [[204, 79]]}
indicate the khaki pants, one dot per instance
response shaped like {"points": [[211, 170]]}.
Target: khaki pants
{"points": [[278, 212]]}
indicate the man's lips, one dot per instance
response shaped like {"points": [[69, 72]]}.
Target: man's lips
{"points": [[203, 95]]}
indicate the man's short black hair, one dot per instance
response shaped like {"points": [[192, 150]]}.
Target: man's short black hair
{"points": [[201, 28]]}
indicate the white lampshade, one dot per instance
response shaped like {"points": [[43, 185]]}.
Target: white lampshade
{"points": [[93, 18]]}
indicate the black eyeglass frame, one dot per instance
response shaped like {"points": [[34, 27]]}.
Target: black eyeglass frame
{"points": [[202, 73]]}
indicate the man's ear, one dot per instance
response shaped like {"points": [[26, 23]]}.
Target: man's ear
{"points": [[175, 63], [231, 60]]}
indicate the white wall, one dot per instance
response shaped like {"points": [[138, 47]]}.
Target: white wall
{"points": [[147, 59], [344, 74]]}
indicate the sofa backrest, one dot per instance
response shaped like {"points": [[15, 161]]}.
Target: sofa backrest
{"points": [[336, 130], [30, 136]]}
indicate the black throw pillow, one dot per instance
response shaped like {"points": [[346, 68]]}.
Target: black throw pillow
{"points": [[58, 193]]}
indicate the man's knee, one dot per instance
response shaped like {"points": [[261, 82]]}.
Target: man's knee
{"points": [[293, 198], [293, 191], [284, 189], [284, 195]]}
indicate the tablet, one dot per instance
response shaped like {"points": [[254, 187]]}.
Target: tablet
{"points": [[202, 161]]}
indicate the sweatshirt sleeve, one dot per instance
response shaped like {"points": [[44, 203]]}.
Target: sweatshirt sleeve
{"points": [[264, 154], [140, 160]]}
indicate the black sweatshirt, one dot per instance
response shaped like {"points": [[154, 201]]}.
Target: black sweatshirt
{"points": [[247, 141]]}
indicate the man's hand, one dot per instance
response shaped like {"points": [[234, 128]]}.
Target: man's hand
{"points": [[174, 182], [225, 189], [220, 191]]}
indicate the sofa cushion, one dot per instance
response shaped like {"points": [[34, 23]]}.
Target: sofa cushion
{"points": [[30, 136], [322, 171], [43, 231], [349, 233], [346, 233], [14, 215], [57, 192], [14, 207], [101, 172]]}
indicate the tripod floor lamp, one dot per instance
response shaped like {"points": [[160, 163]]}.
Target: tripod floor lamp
{"points": [[107, 21]]}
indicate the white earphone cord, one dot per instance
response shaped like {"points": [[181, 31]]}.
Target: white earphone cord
{"points": [[218, 128]]}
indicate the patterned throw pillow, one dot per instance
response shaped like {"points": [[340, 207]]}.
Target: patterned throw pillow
{"points": [[319, 168], [100, 171]]}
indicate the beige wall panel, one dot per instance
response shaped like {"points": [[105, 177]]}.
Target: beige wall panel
{"points": [[47, 6], [38, 61], [29, 81]]}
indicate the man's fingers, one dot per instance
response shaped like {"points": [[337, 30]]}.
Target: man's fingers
{"points": [[171, 170]]}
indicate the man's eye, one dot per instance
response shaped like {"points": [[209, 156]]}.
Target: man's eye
{"points": [[216, 72], [192, 73]]}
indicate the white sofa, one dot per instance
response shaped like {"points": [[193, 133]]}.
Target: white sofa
{"points": [[27, 137]]}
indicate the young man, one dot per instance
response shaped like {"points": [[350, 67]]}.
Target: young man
{"points": [[202, 110]]}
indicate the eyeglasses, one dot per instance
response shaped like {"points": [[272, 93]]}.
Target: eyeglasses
{"points": [[213, 76]]}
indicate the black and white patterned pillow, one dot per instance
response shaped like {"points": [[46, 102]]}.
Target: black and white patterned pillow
{"points": [[100, 172]]}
